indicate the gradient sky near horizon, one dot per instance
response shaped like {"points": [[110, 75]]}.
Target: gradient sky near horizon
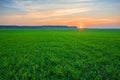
{"points": [[60, 12]]}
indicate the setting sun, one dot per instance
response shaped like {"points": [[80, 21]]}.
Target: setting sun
{"points": [[80, 26]]}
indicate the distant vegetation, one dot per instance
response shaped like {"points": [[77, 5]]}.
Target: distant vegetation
{"points": [[27, 54], [42, 27]]}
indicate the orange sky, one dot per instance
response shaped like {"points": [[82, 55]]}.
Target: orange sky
{"points": [[70, 20]]}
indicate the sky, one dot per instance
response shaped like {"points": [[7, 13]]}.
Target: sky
{"points": [[60, 12]]}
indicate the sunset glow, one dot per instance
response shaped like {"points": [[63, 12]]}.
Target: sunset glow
{"points": [[60, 12], [80, 27]]}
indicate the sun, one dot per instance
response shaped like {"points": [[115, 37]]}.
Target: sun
{"points": [[80, 27]]}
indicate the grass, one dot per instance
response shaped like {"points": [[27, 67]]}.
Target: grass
{"points": [[27, 54]]}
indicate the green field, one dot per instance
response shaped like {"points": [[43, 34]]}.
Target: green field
{"points": [[31, 54]]}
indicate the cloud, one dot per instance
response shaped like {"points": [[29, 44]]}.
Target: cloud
{"points": [[59, 11], [54, 13], [42, 5], [38, 7]]}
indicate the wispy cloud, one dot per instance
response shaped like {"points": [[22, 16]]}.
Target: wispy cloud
{"points": [[59, 11]]}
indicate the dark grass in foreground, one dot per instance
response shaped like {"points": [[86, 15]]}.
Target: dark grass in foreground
{"points": [[27, 54]]}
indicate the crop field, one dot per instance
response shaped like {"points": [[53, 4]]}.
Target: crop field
{"points": [[36, 54]]}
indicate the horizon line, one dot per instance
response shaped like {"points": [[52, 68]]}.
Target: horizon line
{"points": [[62, 26]]}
